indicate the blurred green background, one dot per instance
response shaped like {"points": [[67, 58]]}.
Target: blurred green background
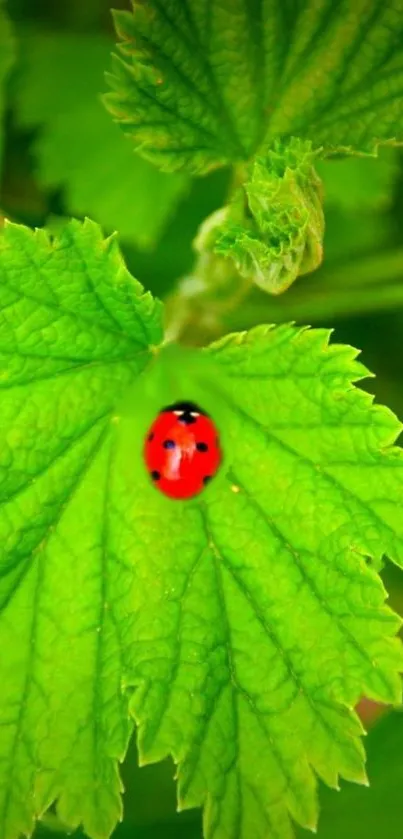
{"points": [[62, 156]]}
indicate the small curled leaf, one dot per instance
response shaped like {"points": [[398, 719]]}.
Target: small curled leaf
{"points": [[273, 227]]}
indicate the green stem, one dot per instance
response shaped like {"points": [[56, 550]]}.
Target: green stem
{"points": [[195, 312], [323, 305], [366, 270]]}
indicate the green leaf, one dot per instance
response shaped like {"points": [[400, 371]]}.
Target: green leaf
{"points": [[200, 84], [238, 628], [6, 60], [355, 812], [79, 148], [273, 227]]}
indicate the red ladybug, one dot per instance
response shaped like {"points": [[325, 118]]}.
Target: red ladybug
{"points": [[182, 450]]}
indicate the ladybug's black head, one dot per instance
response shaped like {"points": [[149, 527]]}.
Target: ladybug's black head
{"points": [[187, 412]]}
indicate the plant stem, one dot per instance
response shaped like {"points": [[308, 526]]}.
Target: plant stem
{"points": [[195, 312], [326, 304], [208, 303], [366, 270]]}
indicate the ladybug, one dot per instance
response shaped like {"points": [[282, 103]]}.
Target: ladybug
{"points": [[182, 450]]}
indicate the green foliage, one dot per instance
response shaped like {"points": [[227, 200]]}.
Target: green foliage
{"points": [[342, 83], [204, 84], [237, 630], [238, 640], [199, 84], [273, 227], [78, 147], [354, 812]]}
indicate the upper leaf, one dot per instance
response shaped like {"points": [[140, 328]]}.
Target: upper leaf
{"points": [[242, 626], [78, 146], [203, 83]]}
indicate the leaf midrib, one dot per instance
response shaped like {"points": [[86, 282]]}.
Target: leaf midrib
{"points": [[220, 110], [294, 554], [80, 366], [317, 122], [262, 720], [300, 689], [308, 462]]}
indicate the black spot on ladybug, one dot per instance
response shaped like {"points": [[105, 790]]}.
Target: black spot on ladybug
{"points": [[202, 447], [169, 444], [150, 437], [207, 478], [155, 475]]}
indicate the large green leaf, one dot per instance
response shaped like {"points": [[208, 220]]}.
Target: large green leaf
{"points": [[79, 147], [239, 628], [354, 812], [203, 83]]}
